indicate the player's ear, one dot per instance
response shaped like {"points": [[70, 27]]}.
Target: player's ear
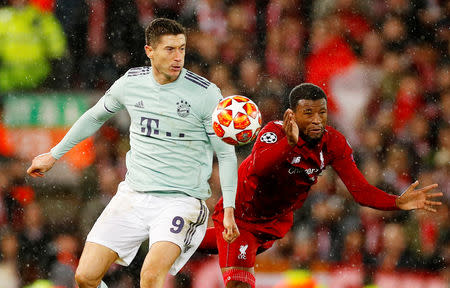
{"points": [[149, 51]]}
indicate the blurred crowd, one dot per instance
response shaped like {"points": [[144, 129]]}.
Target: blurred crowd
{"points": [[384, 65]]}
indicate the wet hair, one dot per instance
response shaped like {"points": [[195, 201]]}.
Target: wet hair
{"points": [[306, 91], [160, 27]]}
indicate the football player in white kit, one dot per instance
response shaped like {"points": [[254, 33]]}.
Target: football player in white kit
{"points": [[168, 165]]}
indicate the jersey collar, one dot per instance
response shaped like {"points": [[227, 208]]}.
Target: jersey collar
{"points": [[319, 145], [168, 85]]}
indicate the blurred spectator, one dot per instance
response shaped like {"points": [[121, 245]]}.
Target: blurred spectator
{"points": [[220, 74], [112, 45], [207, 10], [397, 168], [73, 16], [393, 66], [372, 225], [325, 211], [355, 25], [395, 254], [35, 250], [62, 271], [445, 271], [394, 33], [250, 77], [304, 251], [108, 179], [329, 55], [442, 156], [4, 210], [409, 99], [31, 40], [352, 249], [9, 274]]}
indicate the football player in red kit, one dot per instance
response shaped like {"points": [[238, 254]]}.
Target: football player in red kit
{"points": [[275, 178]]}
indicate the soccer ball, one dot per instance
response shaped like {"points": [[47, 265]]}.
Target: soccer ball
{"points": [[236, 120]]}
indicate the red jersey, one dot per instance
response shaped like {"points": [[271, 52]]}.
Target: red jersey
{"points": [[275, 178]]}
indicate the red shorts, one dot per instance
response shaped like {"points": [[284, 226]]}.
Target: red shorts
{"points": [[243, 250], [255, 238]]}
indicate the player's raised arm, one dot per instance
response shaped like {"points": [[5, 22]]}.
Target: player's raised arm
{"points": [[273, 146], [84, 127]]}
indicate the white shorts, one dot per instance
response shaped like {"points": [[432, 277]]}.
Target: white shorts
{"points": [[131, 217]]}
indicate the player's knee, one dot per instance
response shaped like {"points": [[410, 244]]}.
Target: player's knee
{"points": [[86, 280], [237, 278], [150, 279]]}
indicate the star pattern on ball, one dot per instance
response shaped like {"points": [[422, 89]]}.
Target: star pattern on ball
{"points": [[237, 107]]}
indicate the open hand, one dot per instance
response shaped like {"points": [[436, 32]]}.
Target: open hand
{"points": [[41, 164], [231, 231], [290, 127], [419, 199]]}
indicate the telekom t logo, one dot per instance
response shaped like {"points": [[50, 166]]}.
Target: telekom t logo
{"points": [[150, 126]]}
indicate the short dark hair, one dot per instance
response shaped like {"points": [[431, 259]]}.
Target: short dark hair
{"points": [[162, 26], [305, 91]]}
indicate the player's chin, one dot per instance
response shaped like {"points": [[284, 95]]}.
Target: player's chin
{"points": [[315, 134], [175, 70]]}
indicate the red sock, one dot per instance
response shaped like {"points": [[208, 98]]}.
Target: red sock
{"points": [[239, 275]]}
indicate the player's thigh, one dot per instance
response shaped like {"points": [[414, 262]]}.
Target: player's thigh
{"points": [[182, 221], [160, 258], [120, 227], [95, 261], [240, 253]]}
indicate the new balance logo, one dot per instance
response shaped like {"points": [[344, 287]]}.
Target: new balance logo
{"points": [[296, 160], [139, 104]]}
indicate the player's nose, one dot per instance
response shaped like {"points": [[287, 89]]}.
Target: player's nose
{"points": [[316, 119], [178, 56]]}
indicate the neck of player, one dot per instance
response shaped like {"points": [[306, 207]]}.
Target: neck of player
{"points": [[163, 78]]}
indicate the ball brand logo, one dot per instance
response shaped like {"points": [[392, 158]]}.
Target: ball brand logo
{"points": [[183, 108], [243, 250]]}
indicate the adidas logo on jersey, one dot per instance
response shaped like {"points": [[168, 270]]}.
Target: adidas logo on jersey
{"points": [[139, 104]]}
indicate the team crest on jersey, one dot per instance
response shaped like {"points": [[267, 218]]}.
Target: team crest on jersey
{"points": [[243, 252], [269, 138], [183, 108]]}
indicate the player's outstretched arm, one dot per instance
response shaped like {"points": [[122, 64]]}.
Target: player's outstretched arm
{"points": [[414, 198], [41, 164], [231, 231]]}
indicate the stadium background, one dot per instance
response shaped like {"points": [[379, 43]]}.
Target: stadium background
{"points": [[383, 63]]}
